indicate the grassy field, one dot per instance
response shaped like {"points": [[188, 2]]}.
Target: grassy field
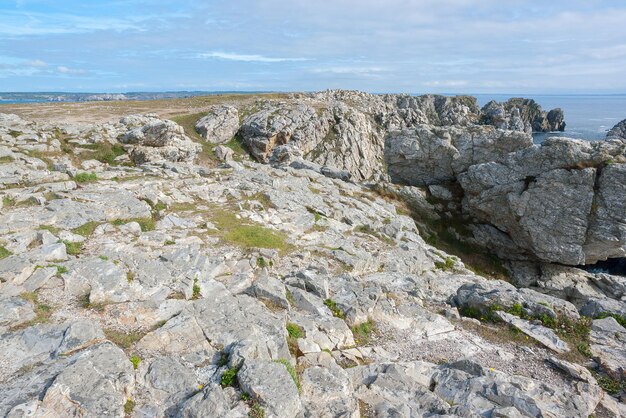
{"points": [[93, 112]]}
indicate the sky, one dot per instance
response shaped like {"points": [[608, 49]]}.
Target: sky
{"points": [[399, 46]]}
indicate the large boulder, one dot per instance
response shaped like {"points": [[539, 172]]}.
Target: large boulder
{"points": [[158, 141], [618, 131], [429, 155], [557, 201], [522, 115], [219, 125]]}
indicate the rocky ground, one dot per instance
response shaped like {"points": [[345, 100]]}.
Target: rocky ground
{"points": [[152, 268]]}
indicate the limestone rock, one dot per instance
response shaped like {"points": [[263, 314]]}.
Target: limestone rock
{"points": [[270, 384], [220, 124], [431, 155], [618, 131]]}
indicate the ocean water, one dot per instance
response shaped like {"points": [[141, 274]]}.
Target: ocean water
{"points": [[586, 116]]}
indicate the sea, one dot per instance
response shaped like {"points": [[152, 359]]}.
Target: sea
{"points": [[587, 117]]}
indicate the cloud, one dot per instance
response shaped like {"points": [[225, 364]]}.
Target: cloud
{"points": [[37, 63], [446, 83], [246, 58], [75, 71]]}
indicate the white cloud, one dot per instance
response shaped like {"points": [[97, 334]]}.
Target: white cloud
{"points": [[38, 63], [446, 83], [229, 56], [66, 70]]}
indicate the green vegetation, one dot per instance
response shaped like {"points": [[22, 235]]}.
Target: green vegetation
{"points": [[85, 303], [196, 289], [130, 276], [237, 145], [446, 265], [86, 229], [105, 152], [129, 406], [260, 262], [246, 235], [169, 242], [6, 159], [73, 248], [85, 177], [43, 312], [52, 229], [610, 385], [223, 360], [294, 332], [60, 269], [620, 319], [146, 224], [292, 372], [366, 229], [135, 359], [229, 377], [363, 332], [332, 305], [256, 410], [103, 258], [4, 253], [124, 339]]}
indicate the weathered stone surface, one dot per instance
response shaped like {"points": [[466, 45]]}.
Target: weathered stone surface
{"points": [[542, 198], [220, 124], [522, 115], [271, 384], [544, 335], [430, 155], [618, 131], [160, 140], [608, 345], [97, 384]]}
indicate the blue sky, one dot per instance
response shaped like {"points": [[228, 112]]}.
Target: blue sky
{"points": [[461, 46]]}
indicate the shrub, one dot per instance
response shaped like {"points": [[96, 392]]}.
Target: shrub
{"points": [[363, 332], [196, 289], [447, 264], [332, 305], [85, 177], [229, 377], [135, 359], [129, 406]]}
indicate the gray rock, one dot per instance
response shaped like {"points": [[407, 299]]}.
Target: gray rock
{"points": [[97, 384], [328, 392], [269, 289], [271, 384], [544, 335], [213, 401], [608, 345], [220, 124], [618, 131], [430, 155], [224, 153]]}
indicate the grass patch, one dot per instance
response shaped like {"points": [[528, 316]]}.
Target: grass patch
{"points": [[43, 312], [610, 385], [85, 177], [105, 152], [52, 229], [247, 235], [447, 264], [620, 319], [292, 372], [367, 229], [294, 332], [87, 229], [73, 248], [124, 339], [238, 147], [363, 332], [4, 253], [256, 410], [6, 159], [332, 305], [146, 224]]}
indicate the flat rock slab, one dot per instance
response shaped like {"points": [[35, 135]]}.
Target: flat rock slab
{"points": [[540, 333]]}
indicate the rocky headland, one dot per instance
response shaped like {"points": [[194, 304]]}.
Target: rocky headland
{"points": [[332, 254]]}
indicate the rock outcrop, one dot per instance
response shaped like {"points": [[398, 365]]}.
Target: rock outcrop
{"points": [[220, 124], [522, 115], [157, 141], [182, 287], [618, 131]]}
